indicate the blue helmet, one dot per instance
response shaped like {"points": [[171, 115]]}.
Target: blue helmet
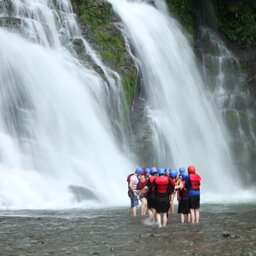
{"points": [[147, 170], [174, 173], [167, 169], [185, 175], [139, 170], [161, 171], [153, 170], [182, 169]]}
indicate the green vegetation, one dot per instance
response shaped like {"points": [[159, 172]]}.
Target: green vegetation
{"points": [[108, 41], [129, 82], [237, 19], [185, 11], [93, 12]]}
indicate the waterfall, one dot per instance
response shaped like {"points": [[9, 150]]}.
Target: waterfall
{"points": [[185, 124], [57, 115], [227, 87]]}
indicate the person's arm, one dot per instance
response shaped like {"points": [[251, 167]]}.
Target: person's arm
{"points": [[171, 187], [131, 186]]}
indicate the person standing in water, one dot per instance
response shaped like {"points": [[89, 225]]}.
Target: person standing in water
{"points": [[142, 187], [173, 176], [132, 192], [182, 194], [163, 187], [193, 186], [151, 193]]}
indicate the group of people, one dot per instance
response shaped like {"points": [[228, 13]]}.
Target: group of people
{"points": [[156, 189]]}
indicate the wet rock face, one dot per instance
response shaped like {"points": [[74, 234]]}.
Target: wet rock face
{"points": [[142, 133], [6, 21], [98, 24], [5, 6], [13, 24]]}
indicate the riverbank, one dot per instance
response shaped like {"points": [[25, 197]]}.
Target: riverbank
{"points": [[223, 231]]}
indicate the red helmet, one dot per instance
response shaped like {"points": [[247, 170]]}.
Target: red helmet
{"points": [[191, 169]]}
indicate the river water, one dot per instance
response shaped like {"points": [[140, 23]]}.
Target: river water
{"points": [[225, 229]]}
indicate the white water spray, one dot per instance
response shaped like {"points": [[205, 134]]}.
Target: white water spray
{"points": [[185, 125], [55, 134]]}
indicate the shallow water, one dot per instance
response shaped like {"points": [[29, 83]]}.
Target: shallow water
{"points": [[224, 230]]}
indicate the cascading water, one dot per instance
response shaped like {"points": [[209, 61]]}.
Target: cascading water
{"points": [[186, 129], [227, 86], [56, 142], [225, 83]]}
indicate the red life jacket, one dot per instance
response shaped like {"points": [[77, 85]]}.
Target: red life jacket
{"points": [[195, 181], [162, 183], [150, 183], [141, 184], [151, 178], [172, 181]]}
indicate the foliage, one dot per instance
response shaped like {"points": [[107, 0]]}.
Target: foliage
{"points": [[237, 19], [186, 13], [107, 40], [92, 12]]}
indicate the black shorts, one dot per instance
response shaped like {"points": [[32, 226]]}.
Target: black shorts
{"points": [[151, 201], [162, 203], [183, 206], [194, 202]]}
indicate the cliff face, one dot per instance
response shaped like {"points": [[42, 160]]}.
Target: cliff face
{"points": [[99, 26], [233, 21]]}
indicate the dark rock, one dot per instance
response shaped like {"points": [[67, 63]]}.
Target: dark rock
{"points": [[226, 234], [6, 6], [229, 235], [11, 23], [82, 193]]}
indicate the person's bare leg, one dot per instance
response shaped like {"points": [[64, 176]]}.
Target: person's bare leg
{"points": [[189, 217], [192, 213], [165, 219], [143, 206], [158, 220], [197, 215], [172, 203], [133, 211], [182, 218], [154, 213], [150, 213]]}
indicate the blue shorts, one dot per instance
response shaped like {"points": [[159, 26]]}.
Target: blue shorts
{"points": [[134, 199]]}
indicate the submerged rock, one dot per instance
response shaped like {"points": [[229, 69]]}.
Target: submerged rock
{"points": [[82, 193]]}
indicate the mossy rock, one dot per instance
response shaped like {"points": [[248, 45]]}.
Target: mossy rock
{"points": [[232, 120], [185, 12], [97, 20]]}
